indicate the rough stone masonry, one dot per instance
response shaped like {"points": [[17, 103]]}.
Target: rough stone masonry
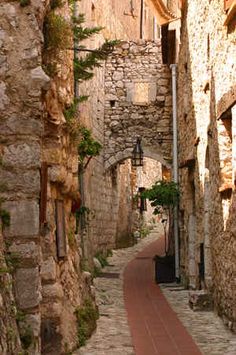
{"points": [[137, 102]]}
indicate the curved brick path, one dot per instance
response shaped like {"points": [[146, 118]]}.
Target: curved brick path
{"points": [[155, 328]]}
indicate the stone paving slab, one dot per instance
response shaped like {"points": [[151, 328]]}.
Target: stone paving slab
{"points": [[113, 337], [206, 328], [155, 327]]}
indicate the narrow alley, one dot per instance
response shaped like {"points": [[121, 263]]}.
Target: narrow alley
{"points": [[159, 320], [117, 177]]}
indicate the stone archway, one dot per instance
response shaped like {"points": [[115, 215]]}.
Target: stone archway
{"points": [[137, 103]]}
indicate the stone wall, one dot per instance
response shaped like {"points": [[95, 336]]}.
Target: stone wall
{"points": [[21, 128], [137, 102], [105, 192], [206, 94], [10, 339], [39, 171]]}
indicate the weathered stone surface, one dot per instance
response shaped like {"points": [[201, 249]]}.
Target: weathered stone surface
{"points": [[54, 291], [39, 78], [136, 108], [206, 103], [24, 218], [27, 286], [24, 155], [27, 182], [97, 263], [34, 322], [200, 301], [21, 125], [48, 269], [4, 100], [28, 250]]}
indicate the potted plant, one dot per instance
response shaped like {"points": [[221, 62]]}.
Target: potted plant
{"points": [[164, 196]]}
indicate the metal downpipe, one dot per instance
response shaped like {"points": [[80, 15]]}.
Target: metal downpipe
{"points": [[175, 166]]}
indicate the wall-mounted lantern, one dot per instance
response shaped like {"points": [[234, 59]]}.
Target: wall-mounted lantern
{"points": [[159, 138], [137, 154]]}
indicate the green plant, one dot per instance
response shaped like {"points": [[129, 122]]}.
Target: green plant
{"points": [[3, 270], [12, 261], [56, 3], [87, 316], [24, 3], [102, 259], [50, 69], [5, 217], [88, 146], [80, 32], [19, 316], [26, 336], [57, 33], [83, 66], [71, 239], [3, 187], [83, 210], [163, 195], [109, 252], [144, 231], [70, 111]]}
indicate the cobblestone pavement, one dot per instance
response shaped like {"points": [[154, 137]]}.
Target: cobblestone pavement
{"points": [[206, 328], [112, 336]]}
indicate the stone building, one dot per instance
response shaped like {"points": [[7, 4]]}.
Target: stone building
{"points": [[206, 124], [45, 250], [118, 114]]}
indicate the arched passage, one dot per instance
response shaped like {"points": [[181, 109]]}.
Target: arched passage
{"points": [[138, 103], [127, 154]]}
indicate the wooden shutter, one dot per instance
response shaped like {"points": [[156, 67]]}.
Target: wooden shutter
{"points": [[171, 47], [228, 3], [43, 193], [60, 231], [164, 43]]}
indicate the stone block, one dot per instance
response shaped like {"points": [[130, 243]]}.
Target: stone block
{"points": [[54, 291], [34, 322], [23, 155], [48, 269], [28, 250], [27, 284], [200, 301], [24, 218], [4, 100], [39, 78], [118, 75], [21, 181], [21, 125]]}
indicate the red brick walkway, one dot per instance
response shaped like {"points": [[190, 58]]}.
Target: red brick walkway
{"points": [[154, 326]]}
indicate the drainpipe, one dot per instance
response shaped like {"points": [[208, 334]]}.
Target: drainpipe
{"points": [[141, 19], [175, 166]]}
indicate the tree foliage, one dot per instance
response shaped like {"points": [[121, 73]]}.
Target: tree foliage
{"points": [[163, 195], [88, 146]]}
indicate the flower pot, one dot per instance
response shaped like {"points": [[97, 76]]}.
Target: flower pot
{"points": [[164, 268]]}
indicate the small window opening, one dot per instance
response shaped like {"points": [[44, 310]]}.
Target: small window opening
{"points": [[112, 103], [201, 266]]}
